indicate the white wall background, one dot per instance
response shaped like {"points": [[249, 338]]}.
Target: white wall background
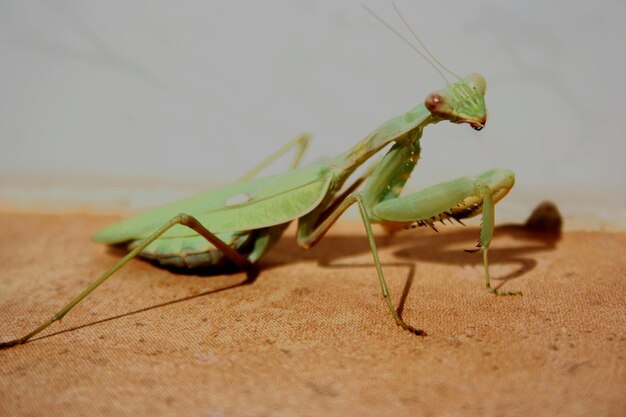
{"points": [[118, 105]]}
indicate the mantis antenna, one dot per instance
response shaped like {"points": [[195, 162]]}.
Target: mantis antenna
{"points": [[405, 40], [417, 38]]}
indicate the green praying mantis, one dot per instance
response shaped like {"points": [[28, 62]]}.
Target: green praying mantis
{"points": [[237, 224]]}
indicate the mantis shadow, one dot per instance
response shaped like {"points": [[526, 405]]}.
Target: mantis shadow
{"points": [[250, 278], [425, 246], [409, 247], [447, 249], [421, 245]]}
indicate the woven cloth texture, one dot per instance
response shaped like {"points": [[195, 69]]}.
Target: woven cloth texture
{"points": [[311, 335]]}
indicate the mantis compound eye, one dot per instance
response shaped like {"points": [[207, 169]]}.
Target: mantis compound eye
{"points": [[434, 101]]}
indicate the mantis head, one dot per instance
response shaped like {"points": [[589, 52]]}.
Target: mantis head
{"points": [[461, 102]]}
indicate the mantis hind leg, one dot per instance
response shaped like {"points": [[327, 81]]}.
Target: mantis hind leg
{"points": [[457, 199], [301, 142], [183, 219], [270, 236]]}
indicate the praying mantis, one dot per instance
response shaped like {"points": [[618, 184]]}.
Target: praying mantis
{"points": [[238, 224]]}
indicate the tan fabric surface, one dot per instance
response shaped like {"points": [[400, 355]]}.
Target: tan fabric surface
{"points": [[311, 336]]}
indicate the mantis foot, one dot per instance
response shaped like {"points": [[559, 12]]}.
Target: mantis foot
{"points": [[10, 343], [496, 292], [412, 329]]}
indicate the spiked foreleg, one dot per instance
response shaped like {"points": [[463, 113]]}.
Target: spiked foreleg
{"points": [[460, 198]]}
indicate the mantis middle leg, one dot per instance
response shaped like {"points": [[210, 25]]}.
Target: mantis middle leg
{"points": [[309, 235]]}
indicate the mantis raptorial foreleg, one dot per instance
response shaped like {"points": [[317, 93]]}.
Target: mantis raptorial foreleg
{"points": [[439, 202]]}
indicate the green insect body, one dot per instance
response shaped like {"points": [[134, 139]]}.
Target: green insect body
{"points": [[236, 225], [250, 227]]}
